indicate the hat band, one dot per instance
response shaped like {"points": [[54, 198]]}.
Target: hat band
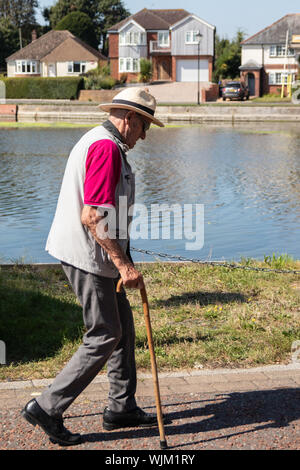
{"points": [[136, 105]]}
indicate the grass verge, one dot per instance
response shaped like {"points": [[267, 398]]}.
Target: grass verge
{"points": [[57, 124], [202, 316]]}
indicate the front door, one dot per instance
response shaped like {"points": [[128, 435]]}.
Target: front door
{"points": [[251, 84], [164, 69], [51, 70]]}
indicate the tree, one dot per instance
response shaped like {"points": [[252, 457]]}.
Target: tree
{"points": [[81, 25], [19, 12], [9, 40], [110, 12], [228, 57], [103, 13]]}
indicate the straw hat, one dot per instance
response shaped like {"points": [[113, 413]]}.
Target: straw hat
{"points": [[135, 99]]}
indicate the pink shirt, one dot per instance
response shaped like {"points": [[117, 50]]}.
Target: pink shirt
{"points": [[103, 169]]}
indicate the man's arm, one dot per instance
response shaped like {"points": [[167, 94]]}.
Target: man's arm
{"points": [[91, 218]]}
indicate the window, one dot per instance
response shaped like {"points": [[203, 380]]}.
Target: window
{"points": [[280, 78], [76, 67], [132, 39], [191, 37], [27, 67], [163, 38], [135, 65], [129, 64], [279, 51]]}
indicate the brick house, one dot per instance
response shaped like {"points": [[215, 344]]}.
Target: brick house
{"points": [[169, 39], [55, 54], [266, 61]]}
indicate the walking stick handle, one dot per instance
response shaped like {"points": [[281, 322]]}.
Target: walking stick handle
{"points": [[119, 285], [163, 442]]}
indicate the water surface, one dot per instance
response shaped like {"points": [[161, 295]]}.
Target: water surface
{"points": [[247, 178]]}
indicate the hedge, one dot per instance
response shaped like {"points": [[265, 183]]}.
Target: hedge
{"points": [[43, 88]]}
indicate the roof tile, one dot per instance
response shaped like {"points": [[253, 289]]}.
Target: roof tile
{"points": [[154, 19]]}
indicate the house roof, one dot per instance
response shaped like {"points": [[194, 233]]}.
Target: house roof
{"points": [[250, 65], [276, 32], [153, 19], [58, 46]]}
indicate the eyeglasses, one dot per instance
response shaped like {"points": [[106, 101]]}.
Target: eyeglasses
{"points": [[146, 124]]}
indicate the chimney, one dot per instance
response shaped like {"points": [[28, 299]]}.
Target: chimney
{"points": [[33, 35]]}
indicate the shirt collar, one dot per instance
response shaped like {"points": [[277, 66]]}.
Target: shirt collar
{"points": [[108, 125]]}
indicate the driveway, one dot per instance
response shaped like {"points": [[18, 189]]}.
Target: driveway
{"points": [[176, 92]]}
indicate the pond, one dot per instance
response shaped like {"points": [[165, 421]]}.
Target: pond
{"points": [[244, 177]]}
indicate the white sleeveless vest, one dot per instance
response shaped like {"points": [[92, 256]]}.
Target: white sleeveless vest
{"points": [[69, 240]]}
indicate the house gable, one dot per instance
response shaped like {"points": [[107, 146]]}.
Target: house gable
{"points": [[131, 25], [196, 18], [276, 32], [72, 49], [181, 45], [42, 46]]}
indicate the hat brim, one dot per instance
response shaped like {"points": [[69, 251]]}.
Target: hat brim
{"points": [[108, 106]]}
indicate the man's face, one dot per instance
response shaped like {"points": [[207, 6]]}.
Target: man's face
{"points": [[135, 128]]}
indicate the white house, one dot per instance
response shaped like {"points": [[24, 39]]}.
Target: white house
{"points": [[271, 55], [55, 54]]}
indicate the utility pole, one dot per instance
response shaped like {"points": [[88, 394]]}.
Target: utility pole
{"points": [[283, 78], [198, 36], [20, 37]]}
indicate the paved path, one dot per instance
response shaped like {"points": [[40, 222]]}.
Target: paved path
{"points": [[219, 409], [176, 92]]}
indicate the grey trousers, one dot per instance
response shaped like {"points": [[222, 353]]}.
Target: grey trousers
{"points": [[109, 337]]}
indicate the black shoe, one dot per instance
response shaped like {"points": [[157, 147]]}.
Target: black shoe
{"points": [[136, 417], [54, 427]]}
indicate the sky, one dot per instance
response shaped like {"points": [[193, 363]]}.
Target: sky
{"points": [[227, 15]]}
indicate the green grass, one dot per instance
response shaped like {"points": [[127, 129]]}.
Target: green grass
{"points": [[272, 98], [62, 124], [58, 124], [200, 315]]}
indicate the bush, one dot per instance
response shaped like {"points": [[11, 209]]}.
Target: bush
{"points": [[123, 77], [98, 78], [98, 82], [108, 83], [145, 70], [43, 88], [99, 71]]}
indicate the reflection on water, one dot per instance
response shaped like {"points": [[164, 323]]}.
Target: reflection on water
{"points": [[246, 176]]}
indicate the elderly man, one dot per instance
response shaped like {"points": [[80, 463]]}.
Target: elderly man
{"points": [[96, 178]]}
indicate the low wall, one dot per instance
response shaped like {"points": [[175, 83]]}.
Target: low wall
{"points": [[210, 94], [8, 112], [231, 113], [86, 114], [98, 96]]}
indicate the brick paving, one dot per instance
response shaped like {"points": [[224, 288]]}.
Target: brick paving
{"points": [[208, 409]]}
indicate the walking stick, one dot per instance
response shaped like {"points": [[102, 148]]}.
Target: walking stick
{"points": [[163, 442]]}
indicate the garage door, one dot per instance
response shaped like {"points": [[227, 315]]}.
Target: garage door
{"points": [[187, 70]]}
